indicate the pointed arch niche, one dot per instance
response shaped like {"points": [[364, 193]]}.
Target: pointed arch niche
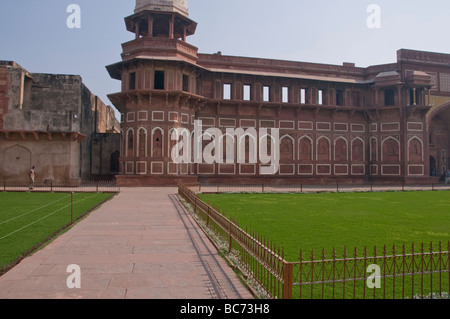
{"points": [[157, 146]]}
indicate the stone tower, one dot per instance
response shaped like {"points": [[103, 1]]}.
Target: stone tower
{"points": [[159, 85]]}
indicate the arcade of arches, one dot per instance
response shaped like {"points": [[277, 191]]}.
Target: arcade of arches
{"points": [[439, 141]]}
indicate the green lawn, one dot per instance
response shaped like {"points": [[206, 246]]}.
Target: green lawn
{"points": [[30, 219], [335, 220]]}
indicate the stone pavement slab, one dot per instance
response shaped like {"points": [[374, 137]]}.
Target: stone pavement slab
{"points": [[140, 245]]}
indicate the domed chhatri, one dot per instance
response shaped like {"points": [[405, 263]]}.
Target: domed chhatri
{"points": [[179, 6]]}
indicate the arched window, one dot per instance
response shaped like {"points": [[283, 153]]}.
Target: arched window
{"points": [[247, 149], [157, 143], [130, 142], [391, 150], [228, 148], [358, 150], [305, 146], [323, 149], [287, 148], [341, 149], [142, 142], [415, 150]]}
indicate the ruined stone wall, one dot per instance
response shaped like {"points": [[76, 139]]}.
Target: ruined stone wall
{"points": [[97, 118], [56, 160], [39, 113], [106, 121], [105, 155], [47, 103], [3, 94]]}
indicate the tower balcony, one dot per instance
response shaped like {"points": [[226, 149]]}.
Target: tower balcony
{"points": [[159, 48]]}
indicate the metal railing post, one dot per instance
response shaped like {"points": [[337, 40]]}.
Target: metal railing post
{"points": [[230, 244], [71, 207], [288, 278]]}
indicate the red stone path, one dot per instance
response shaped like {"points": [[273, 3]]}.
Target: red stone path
{"points": [[140, 245]]}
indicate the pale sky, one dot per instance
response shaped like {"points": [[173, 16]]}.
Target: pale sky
{"points": [[34, 33]]}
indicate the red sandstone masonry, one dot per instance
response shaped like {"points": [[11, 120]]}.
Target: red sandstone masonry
{"points": [[336, 121]]}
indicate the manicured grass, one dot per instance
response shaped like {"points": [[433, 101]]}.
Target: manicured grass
{"points": [[30, 219], [335, 220]]}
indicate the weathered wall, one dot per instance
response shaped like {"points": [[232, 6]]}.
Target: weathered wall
{"points": [[97, 118], [56, 160], [48, 103], [33, 105], [3, 94], [105, 150]]}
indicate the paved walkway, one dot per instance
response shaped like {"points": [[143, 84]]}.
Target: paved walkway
{"points": [[140, 245]]}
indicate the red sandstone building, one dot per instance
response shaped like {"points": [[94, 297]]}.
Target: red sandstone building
{"points": [[381, 123]]}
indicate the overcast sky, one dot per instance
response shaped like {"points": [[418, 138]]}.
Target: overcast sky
{"points": [[34, 33]]}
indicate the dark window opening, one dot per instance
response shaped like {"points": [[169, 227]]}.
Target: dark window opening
{"points": [[132, 82], [159, 80], [340, 97], [161, 28], [389, 97], [185, 83]]}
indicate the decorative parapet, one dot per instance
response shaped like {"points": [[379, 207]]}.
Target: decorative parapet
{"points": [[154, 48], [434, 58]]}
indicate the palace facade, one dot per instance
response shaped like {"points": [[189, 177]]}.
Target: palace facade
{"points": [[386, 123]]}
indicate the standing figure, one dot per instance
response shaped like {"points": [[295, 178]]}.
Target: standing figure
{"points": [[32, 174]]}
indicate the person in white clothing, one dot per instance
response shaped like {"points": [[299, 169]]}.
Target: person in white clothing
{"points": [[32, 174]]}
